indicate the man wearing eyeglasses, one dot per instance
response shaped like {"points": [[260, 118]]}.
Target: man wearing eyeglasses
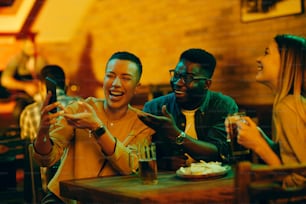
{"points": [[189, 122]]}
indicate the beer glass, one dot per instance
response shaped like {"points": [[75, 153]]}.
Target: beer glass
{"points": [[238, 152], [133, 158], [147, 163]]}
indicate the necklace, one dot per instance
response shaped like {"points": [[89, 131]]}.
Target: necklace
{"points": [[115, 122], [111, 123]]}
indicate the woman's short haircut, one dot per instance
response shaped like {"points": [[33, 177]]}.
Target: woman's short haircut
{"points": [[124, 55]]}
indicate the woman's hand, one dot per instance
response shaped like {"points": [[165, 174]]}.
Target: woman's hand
{"points": [[42, 143], [248, 134], [86, 119], [47, 118], [250, 137]]}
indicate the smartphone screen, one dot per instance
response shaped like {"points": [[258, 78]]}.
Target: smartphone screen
{"points": [[51, 86]]}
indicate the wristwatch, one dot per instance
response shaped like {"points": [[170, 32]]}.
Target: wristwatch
{"points": [[180, 138], [98, 132]]}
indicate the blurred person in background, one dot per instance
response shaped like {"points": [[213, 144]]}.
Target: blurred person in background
{"points": [[93, 136], [20, 75], [189, 122]]}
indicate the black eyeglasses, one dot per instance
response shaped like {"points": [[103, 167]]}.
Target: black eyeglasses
{"points": [[187, 77]]}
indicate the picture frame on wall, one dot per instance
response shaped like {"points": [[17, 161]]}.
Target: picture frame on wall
{"points": [[253, 10]]}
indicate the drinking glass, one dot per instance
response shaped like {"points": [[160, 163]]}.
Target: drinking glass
{"points": [[147, 163], [238, 152], [133, 158]]}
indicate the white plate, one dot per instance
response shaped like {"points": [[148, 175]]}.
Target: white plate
{"points": [[186, 173]]}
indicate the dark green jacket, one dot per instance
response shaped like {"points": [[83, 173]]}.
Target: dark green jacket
{"points": [[209, 122]]}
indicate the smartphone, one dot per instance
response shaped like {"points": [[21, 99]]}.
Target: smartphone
{"points": [[51, 86]]}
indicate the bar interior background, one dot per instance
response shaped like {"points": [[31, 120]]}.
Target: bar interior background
{"points": [[81, 35]]}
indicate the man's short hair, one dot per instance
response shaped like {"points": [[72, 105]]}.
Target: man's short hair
{"points": [[200, 56], [124, 55], [56, 73]]}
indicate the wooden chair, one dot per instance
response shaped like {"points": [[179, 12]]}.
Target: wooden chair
{"points": [[34, 191], [36, 177], [263, 184]]}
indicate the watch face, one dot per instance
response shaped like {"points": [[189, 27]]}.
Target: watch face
{"points": [[99, 132], [180, 138]]}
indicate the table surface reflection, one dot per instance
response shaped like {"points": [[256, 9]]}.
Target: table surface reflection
{"points": [[170, 189]]}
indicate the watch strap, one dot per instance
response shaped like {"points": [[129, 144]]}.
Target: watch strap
{"points": [[98, 132]]}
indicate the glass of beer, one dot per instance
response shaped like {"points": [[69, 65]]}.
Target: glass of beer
{"points": [[147, 163], [133, 158], [238, 152]]}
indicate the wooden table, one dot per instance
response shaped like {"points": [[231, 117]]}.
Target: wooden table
{"points": [[170, 189]]}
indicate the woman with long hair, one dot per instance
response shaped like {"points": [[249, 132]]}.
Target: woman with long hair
{"points": [[283, 69]]}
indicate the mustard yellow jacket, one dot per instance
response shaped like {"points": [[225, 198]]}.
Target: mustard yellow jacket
{"points": [[82, 157]]}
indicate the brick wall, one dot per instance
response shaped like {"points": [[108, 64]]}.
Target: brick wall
{"points": [[158, 31]]}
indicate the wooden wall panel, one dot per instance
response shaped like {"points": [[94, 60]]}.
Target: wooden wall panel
{"points": [[158, 31]]}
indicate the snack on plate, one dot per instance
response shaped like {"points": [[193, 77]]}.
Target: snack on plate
{"points": [[202, 168]]}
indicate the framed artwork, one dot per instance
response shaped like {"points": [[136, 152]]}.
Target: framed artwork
{"points": [[252, 10], [17, 16]]}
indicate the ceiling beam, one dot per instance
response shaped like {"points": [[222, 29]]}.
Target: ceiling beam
{"points": [[25, 30]]}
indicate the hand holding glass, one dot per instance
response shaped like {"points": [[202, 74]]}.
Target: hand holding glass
{"points": [[236, 149]]}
